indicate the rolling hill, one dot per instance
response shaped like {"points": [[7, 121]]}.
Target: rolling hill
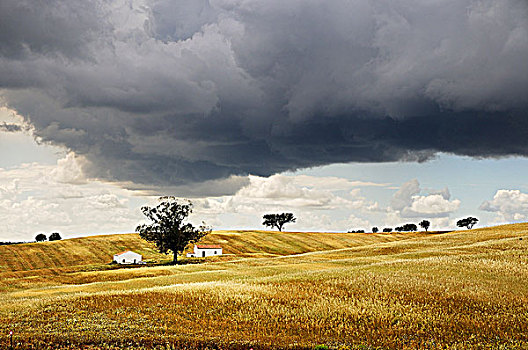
{"points": [[458, 290], [97, 250]]}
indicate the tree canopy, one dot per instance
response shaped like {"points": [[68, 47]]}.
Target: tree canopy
{"points": [[55, 236], [468, 222], [425, 224], [406, 227], [168, 230], [375, 229], [278, 220], [41, 237]]}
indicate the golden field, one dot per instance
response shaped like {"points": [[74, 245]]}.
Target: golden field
{"points": [[459, 290]]}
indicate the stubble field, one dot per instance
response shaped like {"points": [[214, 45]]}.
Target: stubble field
{"points": [[460, 290]]}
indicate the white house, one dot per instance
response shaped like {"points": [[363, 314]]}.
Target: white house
{"points": [[203, 250], [128, 257]]}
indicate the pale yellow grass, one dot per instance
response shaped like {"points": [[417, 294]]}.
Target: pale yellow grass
{"points": [[462, 290]]}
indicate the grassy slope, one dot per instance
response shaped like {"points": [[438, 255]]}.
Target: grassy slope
{"points": [[262, 243], [458, 290], [71, 261], [71, 252], [97, 250]]}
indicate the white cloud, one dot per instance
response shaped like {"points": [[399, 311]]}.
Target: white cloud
{"points": [[412, 202], [285, 190], [69, 170], [404, 196], [306, 191], [509, 205], [433, 205], [32, 199], [408, 202], [332, 183], [9, 191], [44, 198], [326, 222], [335, 205], [11, 117], [106, 201]]}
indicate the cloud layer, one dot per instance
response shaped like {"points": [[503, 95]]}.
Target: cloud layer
{"points": [[330, 202], [167, 93], [508, 205], [410, 202], [35, 198]]}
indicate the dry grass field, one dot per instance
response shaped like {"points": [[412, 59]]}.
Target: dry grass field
{"points": [[459, 290]]}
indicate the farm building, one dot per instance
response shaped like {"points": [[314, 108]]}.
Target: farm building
{"points": [[128, 257], [202, 250]]}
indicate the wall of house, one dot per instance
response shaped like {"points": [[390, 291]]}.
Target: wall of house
{"points": [[207, 252], [127, 258]]}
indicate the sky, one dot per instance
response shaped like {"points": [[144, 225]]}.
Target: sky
{"points": [[350, 114]]}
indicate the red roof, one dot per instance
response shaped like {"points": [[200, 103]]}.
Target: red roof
{"points": [[208, 246], [126, 251]]}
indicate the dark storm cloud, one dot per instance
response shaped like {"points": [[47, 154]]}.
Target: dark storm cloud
{"points": [[47, 27], [181, 92]]}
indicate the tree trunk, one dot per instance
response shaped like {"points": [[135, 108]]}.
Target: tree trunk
{"points": [[175, 259]]}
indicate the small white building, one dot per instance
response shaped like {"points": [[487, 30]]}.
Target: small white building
{"points": [[128, 257], [203, 250]]}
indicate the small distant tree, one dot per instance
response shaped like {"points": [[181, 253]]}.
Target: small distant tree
{"points": [[41, 237], [55, 236], [425, 224], [406, 228], [168, 229], [410, 227], [278, 220], [468, 222], [387, 229], [375, 229]]}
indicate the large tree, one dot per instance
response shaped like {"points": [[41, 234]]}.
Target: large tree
{"points": [[468, 222], [55, 236], [278, 220], [41, 237], [168, 229], [425, 224]]}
